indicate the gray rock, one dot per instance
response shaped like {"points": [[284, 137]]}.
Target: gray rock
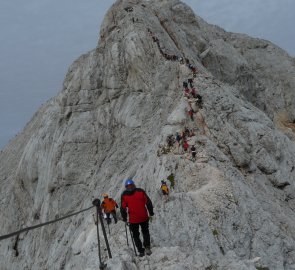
{"points": [[120, 101]]}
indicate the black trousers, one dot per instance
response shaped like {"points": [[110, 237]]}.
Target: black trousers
{"points": [[134, 227], [113, 213]]}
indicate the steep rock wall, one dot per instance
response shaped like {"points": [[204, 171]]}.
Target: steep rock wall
{"points": [[118, 105]]}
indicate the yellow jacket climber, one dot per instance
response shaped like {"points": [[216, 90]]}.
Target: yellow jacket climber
{"points": [[164, 188]]}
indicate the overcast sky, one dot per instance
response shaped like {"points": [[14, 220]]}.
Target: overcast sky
{"points": [[41, 38]]}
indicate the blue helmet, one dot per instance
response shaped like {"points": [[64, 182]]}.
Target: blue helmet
{"points": [[129, 182]]}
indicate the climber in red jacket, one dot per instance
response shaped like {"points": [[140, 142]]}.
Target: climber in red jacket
{"points": [[140, 211]]}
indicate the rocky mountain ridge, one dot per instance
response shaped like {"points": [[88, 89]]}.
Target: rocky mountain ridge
{"points": [[231, 208]]}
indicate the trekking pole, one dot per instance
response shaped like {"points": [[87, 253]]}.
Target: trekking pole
{"points": [[108, 223], [126, 234], [109, 229], [132, 241], [102, 265], [104, 231]]}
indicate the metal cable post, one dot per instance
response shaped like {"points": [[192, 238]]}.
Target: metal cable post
{"points": [[96, 203], [104, 231]]}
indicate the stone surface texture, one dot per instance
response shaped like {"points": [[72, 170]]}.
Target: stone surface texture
{"points": [[232, 208]]}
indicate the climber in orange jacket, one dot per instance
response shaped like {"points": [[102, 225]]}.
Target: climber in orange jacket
{"points": [[109, 206]]}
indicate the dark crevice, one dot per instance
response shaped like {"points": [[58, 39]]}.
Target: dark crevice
{"points": [[283, 185], [222, 250], [68, 116], [37, 216], [15, 246], [35, 179], [52, 190]]}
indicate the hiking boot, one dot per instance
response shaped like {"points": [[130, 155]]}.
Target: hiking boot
{"points": [[148, 251]]}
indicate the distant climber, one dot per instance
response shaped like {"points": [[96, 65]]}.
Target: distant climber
{"points": [[171, 178], [155, 39], [186, 92], [194, 92], [199, 101], [194, 71], [165, 190], [109, 206], [178, 138], [170, 141], [170, 57], [190, 81], [185, 84], [191, 114], [183, 136], [129, 9], [140, 211], [185, 145], [190, 66], [187, 132], [194, 153]]}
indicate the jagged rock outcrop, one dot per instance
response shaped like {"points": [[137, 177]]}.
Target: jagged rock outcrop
{"points": [[232, 208]]}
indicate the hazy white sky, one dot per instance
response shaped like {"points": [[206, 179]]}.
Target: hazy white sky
{"points": [[41, 38]]}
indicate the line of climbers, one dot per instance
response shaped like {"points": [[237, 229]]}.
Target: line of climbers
{"points": [[182, 60], [194, 99], [172, 57], [136, 207], [181, 141]]}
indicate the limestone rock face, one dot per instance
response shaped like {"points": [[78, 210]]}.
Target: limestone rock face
{"points": [[231, 208]]}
